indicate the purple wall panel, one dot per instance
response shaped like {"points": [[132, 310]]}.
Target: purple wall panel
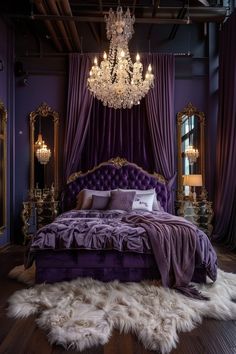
{"points": [[194, 90], [7, 96], [50, 89]]}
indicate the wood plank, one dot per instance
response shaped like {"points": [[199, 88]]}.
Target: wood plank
{"points": [[22, 336]]}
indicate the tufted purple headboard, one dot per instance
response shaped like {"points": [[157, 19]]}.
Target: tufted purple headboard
{"points": [[116, 173]]}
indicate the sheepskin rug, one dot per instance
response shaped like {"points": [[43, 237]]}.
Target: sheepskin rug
{"points": [[82, 313]]}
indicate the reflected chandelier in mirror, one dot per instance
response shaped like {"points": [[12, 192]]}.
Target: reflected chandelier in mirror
{"points": [[191, 147], [3, 165], [44, 122]]}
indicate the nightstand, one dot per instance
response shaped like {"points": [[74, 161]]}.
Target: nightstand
{"points": [[36, 214], [199, 213]]}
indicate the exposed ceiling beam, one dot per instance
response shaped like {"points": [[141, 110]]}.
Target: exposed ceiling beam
{"points": [[164, 16], [53, 7], [204, 2], [175, 27], [65, 5], [154, 11], [41, 9], [94, 32]]}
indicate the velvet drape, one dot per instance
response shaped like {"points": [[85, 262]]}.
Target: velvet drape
{"points": [[225, 197], [161, 121], [144, 134], [79, 104]]}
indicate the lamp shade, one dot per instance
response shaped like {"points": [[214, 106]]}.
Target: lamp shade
{"points": [[192, 180]]}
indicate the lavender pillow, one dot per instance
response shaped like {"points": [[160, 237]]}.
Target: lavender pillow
{"points": [[84, 198], [121, 200], [143, 201], [100, 202]]}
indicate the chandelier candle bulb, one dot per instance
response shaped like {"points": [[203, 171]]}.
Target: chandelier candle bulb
{"points": [[117, 81]]}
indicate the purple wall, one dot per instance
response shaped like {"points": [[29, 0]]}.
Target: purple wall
{"points": [[194, 90], [7, 96], [38, 89]]}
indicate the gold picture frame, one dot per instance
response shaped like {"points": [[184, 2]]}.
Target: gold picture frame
{"points": [[43, 112]]}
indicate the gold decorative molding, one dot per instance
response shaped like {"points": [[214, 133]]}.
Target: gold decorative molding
{"points": [[118, 162], [3, 165], [189, 111], [73, 177], [44, 111]]}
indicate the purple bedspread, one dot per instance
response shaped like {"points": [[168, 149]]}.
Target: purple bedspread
{"points": [[98, 230]]}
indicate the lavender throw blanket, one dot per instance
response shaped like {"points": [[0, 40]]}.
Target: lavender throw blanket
{"points": [[174, 243]]}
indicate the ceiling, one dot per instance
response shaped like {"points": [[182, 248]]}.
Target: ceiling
{"points": [[65, 24]]}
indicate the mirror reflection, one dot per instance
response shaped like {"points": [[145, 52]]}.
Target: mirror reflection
{"points": [[44, 148], [191, 151]]}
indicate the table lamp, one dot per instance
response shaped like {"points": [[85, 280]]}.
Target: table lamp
{"points": [[193, 181]]}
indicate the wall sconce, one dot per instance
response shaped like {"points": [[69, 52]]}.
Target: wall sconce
{"points": [[193, 181], [192, 154]]}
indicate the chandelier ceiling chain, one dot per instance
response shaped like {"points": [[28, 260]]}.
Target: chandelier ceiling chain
{"points": [[117, 81]]}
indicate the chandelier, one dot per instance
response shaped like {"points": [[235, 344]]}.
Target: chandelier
{"points": [[43, 154], [117, 81], [192, 154]]}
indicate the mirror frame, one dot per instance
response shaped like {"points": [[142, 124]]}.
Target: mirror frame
{"points": [[3, 136], [190, 110], [44, 111]]}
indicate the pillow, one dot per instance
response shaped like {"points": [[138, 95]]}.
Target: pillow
{"points": [[156, 204], [143, 202], [100, 202], [84, 198], [121, 200]]}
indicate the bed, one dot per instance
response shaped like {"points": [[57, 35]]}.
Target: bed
{"points": [[113, 243]]}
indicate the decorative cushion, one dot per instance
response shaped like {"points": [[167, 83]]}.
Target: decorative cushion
{"points": [[156, 204], [84, 198], [121, 200], [143, 202], [100, 202]]}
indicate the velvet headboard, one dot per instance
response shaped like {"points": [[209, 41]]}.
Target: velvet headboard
{"points": [[116, 173]]}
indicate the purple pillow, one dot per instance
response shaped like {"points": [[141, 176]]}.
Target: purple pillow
{"points": [[100, 202], [121, 200]]}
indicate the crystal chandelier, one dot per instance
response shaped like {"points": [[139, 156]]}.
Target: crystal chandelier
{"points": [[117, 81], [43, 154], [192, 154]]}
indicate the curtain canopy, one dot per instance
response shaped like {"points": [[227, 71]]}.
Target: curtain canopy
{"points": [[144, 134]]}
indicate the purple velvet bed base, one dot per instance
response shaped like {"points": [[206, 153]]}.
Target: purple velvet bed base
{"points": [[101, 265]]}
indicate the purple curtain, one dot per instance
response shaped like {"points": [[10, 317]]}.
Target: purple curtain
{"points": [[144, 134], [79, 104], [161, 119], [225, 198], [117, 132]]}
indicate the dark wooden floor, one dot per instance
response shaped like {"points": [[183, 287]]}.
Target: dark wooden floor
{"points": [[23, 336]]}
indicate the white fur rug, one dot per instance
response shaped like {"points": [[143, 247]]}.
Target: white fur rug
{"points": [[82, 313]]}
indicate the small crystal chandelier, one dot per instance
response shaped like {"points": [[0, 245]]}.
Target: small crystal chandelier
{"points": [[192, 154], [117, 81], [43, 154]]}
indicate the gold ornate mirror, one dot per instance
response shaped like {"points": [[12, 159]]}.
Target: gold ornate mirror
{"points": [[191, 147], [3, 165], [44, 148]]}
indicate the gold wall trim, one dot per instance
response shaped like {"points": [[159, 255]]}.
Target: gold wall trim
{"points": [[3, 137], [118, 162], [190, 110], [45, 111]]}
